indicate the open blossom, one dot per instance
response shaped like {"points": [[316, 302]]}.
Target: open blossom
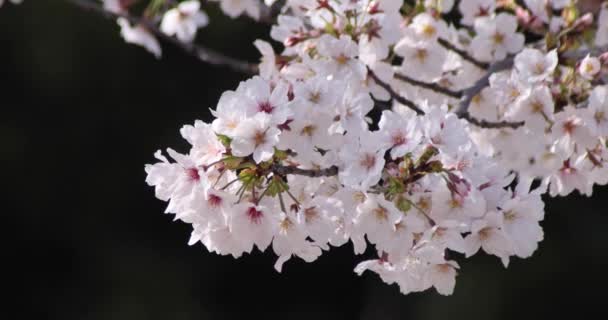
{"points": [[534, 66], [363, 162], [399, 134], [598, 111], [536, 108], [268, 66], [255, 136], [488, 234], [340, 57], [394, 129], [601, 37], [235, 8], [569, 131], [471, 9], [421, 59], [183, 20], [589, 68], [496, 37]]}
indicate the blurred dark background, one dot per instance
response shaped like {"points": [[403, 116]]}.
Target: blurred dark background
{"points": [[82, 112]]}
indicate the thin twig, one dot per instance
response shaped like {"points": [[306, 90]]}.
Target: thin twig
{"points": [[462, 53], [490, 124], [430, 86], [469, 93], [202, 53], [404, 101], [581, 53], [286, 170]]}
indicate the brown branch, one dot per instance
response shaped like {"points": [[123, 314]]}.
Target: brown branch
{"points": [[468, 94], [286, 170], [490, 124], [429, 86], [404, 101], [202, 53], [580, 54], [462, 53]]}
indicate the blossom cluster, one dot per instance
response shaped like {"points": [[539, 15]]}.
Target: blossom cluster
{"points": [[416, 129], [179, 19]]}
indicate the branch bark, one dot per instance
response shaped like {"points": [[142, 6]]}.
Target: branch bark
{"points": [[202, 53], [396, 96], [469, 93], [462, 53], [430, 86], [286, 170]]}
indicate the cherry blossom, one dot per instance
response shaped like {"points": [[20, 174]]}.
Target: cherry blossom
{"points": [[183, 20], [392, 127], [139, 35]]}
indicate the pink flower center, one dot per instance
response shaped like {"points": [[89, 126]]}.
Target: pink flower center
{"points": [[567, 169], [214, 201], [193, 174], [398, 139], [368, 161], [265, 107], [255, 215], [569, 126]]}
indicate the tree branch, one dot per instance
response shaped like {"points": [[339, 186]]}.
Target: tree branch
{"points": [[285, 170], [470, 93], [490, 124], [582, 53], [394, 94], [202, 53], [462, 53], [430, 86]]}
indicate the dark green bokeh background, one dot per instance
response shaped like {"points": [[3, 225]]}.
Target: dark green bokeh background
{"points": [[82, 112]]}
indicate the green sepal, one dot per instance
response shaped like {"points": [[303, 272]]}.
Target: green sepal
{"points": [[232, 162], [403, 204], [224, 139]]}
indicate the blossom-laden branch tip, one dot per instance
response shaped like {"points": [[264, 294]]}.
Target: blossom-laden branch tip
{"points": [[199, 52]]}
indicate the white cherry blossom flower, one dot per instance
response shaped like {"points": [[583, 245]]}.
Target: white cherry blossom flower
{"points": [[422, 60], [184, 20], [235, 8], [442, 276], [399, 134], [598, 111], [254, 225], [140, 36], [590, 67], [496, 37], [471, 9], [268, 65], [534, 66], [488, 234], [362, 162], [255, 136]]}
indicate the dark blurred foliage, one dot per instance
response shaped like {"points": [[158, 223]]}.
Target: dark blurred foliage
{"points": [[82, 112]]}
